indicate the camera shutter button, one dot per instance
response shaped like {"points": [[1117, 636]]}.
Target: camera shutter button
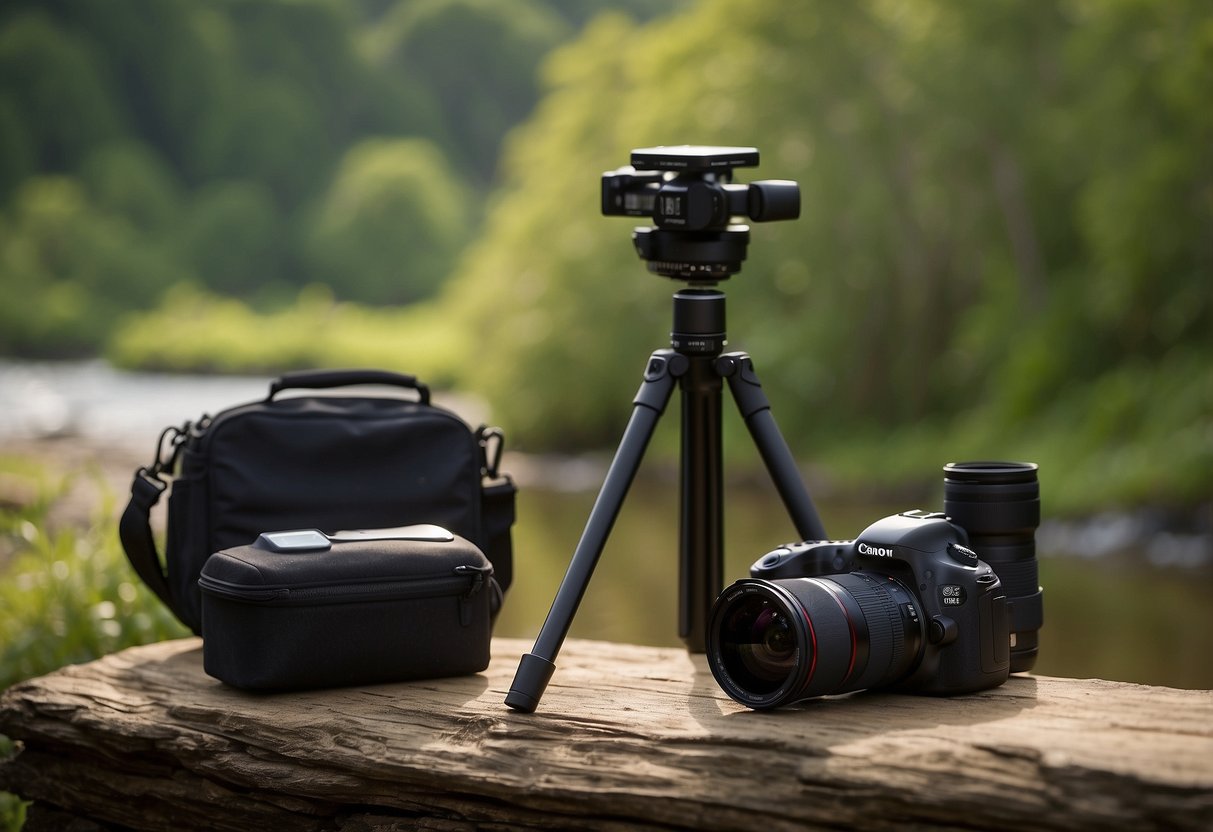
{"points": [[773, 558], [962, 554]]}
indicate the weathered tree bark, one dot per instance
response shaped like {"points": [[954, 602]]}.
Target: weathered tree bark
{"points": [[626, 737]]}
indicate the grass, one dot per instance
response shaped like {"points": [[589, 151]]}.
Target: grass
{"points": [[67, 595], [12, 808]]}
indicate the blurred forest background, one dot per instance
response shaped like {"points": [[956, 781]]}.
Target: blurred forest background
{"points": [[1006, 245]]}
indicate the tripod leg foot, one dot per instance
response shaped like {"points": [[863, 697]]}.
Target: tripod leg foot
{"points": [[530, 681]]}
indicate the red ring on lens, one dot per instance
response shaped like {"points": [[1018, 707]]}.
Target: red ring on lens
{"points": [[812, 642], [833, 590]]}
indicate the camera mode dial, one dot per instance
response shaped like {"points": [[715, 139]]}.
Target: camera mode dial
{"points": [[962, 554]]}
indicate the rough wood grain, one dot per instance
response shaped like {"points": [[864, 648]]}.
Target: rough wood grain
{"points": [[626, 737]]}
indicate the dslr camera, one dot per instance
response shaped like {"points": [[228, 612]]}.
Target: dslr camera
{"points": [[906, 605]]}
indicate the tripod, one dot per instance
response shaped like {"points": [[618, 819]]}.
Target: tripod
{"points": [[697, 364]]}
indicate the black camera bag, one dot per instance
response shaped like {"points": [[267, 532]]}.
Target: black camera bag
{"points": [[321, 461], [360, 608]]}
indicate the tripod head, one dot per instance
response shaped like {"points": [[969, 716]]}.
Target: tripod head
{"points": [[688, 192]]}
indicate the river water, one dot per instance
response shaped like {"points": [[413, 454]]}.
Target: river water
{"points": [[92, 401], [1126, 595]]}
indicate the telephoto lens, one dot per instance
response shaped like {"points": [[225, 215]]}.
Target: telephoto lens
{"points": [[771, 643], [998, 505]]}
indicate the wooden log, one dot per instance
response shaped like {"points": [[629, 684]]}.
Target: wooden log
{"points": [[626, 737]]}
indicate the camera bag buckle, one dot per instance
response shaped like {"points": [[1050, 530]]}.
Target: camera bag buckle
{"points": [[492, 441], [168, 450], [147, 488]]}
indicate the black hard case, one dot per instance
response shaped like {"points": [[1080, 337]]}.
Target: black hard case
{"points": [[359, 613]]}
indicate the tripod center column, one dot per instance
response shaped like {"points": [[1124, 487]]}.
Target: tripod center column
{"points": [[699, 327], [699, 334]]}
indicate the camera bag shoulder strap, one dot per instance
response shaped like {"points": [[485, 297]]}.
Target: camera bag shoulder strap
{"points": [[135, 531], [135, 527]]}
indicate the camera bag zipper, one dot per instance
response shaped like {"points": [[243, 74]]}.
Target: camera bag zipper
{"points": [[465, 582]]}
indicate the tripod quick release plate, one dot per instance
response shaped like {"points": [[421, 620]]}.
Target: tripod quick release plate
{"points": [[689, 157]]}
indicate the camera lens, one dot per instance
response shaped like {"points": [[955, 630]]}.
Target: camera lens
{"points": [[775, 642], [998, 504], [761, 644]]}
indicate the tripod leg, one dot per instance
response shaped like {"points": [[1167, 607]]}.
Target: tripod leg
{"points": [[755, 409], [536, 667]]}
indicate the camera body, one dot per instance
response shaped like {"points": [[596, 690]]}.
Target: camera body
{"points": [[905, 605]]}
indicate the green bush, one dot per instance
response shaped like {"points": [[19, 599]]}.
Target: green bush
{"points": [[212, 333], [68, 595], [12, 809], [392, 223]]}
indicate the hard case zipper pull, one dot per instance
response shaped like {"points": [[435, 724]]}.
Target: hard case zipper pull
{"points": [[479, 574]]}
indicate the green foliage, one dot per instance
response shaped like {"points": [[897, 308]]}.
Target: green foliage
{"points": [[51, 81], [130, 180], [12, 808], [391, 224], [1004, 239], [250, 146], [197, 330], [552, 284], [231, 236], [67, 596], [479, 60], [68, 270]]}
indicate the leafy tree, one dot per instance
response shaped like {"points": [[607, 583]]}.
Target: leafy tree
{"points": [[553, 289], [52, 83], [71, 271], [232, 236], [391, 224], [18, 154], [478, 59], [128, 178], [166, 68]]}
